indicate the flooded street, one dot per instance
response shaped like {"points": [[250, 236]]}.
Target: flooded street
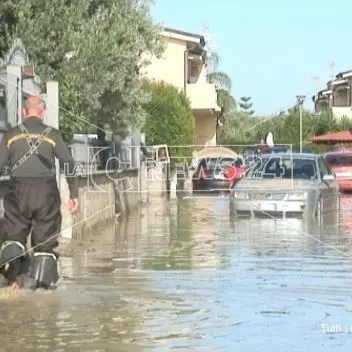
{"points": [[185, 277]]}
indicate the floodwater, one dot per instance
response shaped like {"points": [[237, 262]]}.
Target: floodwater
{"points": [[185, 277]]}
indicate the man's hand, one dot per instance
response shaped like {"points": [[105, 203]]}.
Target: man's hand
{"points": [[73, 205]]}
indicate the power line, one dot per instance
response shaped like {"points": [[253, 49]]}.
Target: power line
{"points": [[270, 117]]}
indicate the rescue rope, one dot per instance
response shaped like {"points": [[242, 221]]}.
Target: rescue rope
{"points": [[56, 235]]}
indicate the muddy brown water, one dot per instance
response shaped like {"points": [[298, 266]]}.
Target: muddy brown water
{"points": [[185, 277]]}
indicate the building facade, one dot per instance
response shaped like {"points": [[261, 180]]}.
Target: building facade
{"points": [[336, 96], [183, 65]]}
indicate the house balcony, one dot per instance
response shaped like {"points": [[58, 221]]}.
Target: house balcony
{"points": [[203, 96], [337, 96], [341, 98], [322, 104], [322, 100]]}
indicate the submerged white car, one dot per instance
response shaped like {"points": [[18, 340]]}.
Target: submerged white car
{"points": [[286, 185]]}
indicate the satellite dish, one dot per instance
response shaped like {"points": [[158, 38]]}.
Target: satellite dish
{"points": [[270, 139]]}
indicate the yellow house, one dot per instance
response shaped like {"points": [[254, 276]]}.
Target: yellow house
{"points": [[183, 65]]}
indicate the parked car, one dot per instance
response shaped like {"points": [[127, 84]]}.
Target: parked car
{"points": [[341, 164], [250, 150], [278, 149], [210, 174], [287, 185], [252, 153], [256, 149]]}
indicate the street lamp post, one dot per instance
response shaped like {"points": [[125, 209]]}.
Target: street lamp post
{"points": [[300, 101]]}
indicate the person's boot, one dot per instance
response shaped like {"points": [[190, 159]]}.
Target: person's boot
{"points": [[13, 262], [44, 270]]}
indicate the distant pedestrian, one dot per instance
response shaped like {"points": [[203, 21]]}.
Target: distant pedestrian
{"points": [[233, 173]]}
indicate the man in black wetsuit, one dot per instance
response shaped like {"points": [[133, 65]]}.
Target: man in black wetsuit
{"points": [[33, 202]]}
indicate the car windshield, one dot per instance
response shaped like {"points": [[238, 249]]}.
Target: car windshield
{"points": [[250, 150], [344, 159], [286, 167], [278, 149], [216, 163]]}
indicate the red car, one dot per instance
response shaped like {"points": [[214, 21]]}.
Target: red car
{"points": [[341, 164]]}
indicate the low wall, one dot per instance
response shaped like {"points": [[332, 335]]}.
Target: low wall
{"points": [[102, 196]]}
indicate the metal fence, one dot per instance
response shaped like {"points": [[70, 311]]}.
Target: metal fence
{"points": [[94, 155]]}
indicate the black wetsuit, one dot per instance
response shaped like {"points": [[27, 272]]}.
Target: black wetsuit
{"points": [[34, 199]]}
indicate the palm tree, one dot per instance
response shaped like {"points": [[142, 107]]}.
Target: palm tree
{"points": [[221, 80]]}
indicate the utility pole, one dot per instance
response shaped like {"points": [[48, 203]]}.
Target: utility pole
{"points": [[300, 101]]}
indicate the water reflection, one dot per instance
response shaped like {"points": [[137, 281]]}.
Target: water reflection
{"points": [[93, 309], [346, 213], [287, 275], [173, 236], [184, 276], [31, 321]]}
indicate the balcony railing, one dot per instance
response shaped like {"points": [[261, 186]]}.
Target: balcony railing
{"points": [[202, 96], [322, 106]]}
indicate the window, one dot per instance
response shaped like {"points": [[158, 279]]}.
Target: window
{"points": [[343, 159], [341, 96], [194, 71], [283, 167], [161, 155], [323, 170], [216, 163], [327, 167]]}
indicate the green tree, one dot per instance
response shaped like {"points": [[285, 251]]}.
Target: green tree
{"points": [[246, 105], [344, 123], [291, 127], [327, 122], [93, 48], [8, 22], [323, 123], [226, 101], [241, 128], [286, 126], [222, 83], [169, 119], [221, 80], [237, 130]]}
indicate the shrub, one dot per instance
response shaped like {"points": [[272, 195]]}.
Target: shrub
{"points": [[169, 120]]}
